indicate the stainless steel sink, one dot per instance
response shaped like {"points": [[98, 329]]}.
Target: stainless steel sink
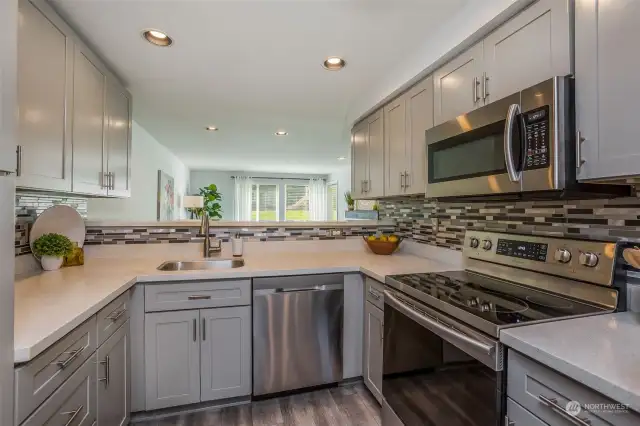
{"points": [[201, 265]]}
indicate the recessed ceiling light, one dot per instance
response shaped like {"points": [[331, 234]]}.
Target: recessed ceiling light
{"points": [[281, 133], [342, 158], [211, 128], [157, 37], [334, 63]]}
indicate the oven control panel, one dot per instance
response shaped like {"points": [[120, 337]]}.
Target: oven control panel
{"points": [[537, 137], [585, 260]]}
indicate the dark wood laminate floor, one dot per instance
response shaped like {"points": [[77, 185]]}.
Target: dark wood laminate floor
{"points": [[351, 405]]}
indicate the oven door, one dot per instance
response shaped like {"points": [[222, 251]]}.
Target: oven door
{"points": [[437, 371], [470, 155]]}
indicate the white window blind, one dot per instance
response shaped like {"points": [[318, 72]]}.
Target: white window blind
{"points": [[264, 203], [332, 191], [296, 202]]}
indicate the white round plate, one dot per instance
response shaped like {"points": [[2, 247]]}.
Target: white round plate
{"points": [[62, 220]]}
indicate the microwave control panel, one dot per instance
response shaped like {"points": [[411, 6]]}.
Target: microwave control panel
{"points": [[537, 138]]}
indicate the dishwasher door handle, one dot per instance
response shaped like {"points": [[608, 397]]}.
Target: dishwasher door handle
{"points": [[286, 290]]}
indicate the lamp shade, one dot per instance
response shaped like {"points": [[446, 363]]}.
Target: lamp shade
{"points": [[192, 202]]}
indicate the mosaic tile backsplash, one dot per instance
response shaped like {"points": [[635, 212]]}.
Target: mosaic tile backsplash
{"points": [[444, 223]]}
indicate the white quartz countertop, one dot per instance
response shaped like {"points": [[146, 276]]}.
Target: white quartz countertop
{"points": [[50, 305], [602, 352]]}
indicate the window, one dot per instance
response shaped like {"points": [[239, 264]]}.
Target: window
{"points": [[296, 202], [264, 203], [332, 197]]}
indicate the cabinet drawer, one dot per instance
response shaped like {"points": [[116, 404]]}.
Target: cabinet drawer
{"points": [[196, 295], [73, 403], [518, 416], [374, 291], [111, 317], [545, 393], [38, 379]]}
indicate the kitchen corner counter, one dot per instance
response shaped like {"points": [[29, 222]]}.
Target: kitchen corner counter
{"points": [[601, 352], [50, 305]]}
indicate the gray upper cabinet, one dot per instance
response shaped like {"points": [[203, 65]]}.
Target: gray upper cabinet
{"points": [[395, 134], [225, 353], [457, 85], [531, 47], [606, 87], [88, 127], [114, 390], [118, 141], [359, 159], [368, 157], [8, 95], [406, 120], [44, 94], [373, 348], [172, 358]]}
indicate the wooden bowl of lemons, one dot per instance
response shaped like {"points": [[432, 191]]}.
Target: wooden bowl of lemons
{"points": [[383, 244]]}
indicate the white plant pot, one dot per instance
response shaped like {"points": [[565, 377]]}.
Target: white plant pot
{"points": [[50, 263]]}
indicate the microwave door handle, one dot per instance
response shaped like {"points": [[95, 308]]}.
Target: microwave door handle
{"points": [[512, 114]]}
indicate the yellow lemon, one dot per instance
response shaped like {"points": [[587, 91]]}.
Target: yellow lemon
{"points": [[393, 239], [371, 238], [383, 238]]}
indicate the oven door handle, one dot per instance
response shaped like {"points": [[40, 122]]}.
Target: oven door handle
{"points": [[436, 327], [512, 113]]}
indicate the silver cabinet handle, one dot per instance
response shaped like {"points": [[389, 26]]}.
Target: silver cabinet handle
{"points": [[107, 371], [368, 182], [381, 333], [73, 415], [72, 356], [553, 404], [374, 294], [401, 180], [407, 180], [508, 421], [199, 297], [579, 140], [113, 180], [19, 160], [195, 330], [204, 329], [474, 86], [512, 115], [485, 91], [116, 315]]}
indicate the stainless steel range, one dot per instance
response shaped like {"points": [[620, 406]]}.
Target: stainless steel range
{"points": [[443, 362]]}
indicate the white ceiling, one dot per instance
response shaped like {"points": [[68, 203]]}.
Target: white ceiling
{"points": [[253, 67]]}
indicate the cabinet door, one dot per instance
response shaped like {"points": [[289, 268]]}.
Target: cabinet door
{"points": [[118, 141], [359, 159], [88, 127], [519, 416], [457, 85], [606, 87], [114, 388], [44, 88], [373, 347], [375, 145], [419, 119], [395, 123], [533, 46], [172, 358], [225, 352], [8, 96]]}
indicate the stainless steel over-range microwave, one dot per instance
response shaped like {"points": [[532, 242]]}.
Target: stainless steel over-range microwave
{"points": [[522, 143]]}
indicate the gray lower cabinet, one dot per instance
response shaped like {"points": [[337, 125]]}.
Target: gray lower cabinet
{"points": [[172, 358], [114, 393], [225, 353], [373, 348], [519, 416], [73, 403], [606, 88], [197, 355]]}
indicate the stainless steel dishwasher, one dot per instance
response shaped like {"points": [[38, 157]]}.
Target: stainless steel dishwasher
{"points": [[297, 332]]}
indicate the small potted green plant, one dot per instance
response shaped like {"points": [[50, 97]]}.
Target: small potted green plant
{"points": [[349, 200], [52, 248]]}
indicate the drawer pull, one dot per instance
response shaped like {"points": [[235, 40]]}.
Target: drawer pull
{"points": [[107, 371], [72, 356], [73, 415], [553, 404], [199, 297], [116, 315], [374, 294]]}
